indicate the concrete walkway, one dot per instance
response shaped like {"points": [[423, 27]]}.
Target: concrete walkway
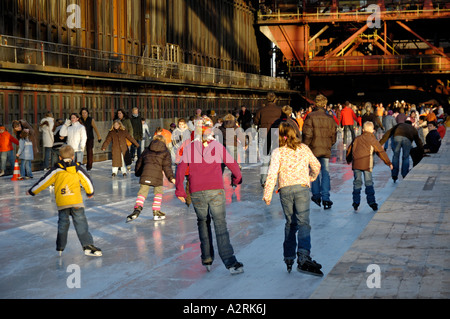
{"points": [[404, 252]]}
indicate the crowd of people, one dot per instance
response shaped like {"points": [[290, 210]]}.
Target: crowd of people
{"points": [[294, 147]]}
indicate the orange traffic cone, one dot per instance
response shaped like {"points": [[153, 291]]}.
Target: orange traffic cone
{"points": [[16, 174]]}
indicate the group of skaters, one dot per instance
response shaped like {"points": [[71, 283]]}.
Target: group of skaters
{"points": [[296, 162]]}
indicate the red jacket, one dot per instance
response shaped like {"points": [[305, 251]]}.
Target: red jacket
{"points": [[348, 116], [6, 140]]}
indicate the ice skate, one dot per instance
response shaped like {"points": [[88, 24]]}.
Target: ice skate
{"points": [[208, 266], [327, 204], [355, 206], [158, 215], [237, 268], [91, 250], [374, 206], [135, 214], [308, 266], [316, 201], [289, 263]]}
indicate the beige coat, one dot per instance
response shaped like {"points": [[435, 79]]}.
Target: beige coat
{"points": [[118, 138]]}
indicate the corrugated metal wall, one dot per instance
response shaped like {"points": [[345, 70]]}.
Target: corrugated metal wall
{"points": [[212, 33]]}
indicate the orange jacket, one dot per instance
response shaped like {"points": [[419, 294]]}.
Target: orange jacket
{"points": [[6, 140]]}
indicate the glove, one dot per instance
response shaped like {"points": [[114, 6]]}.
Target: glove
{"points": [[67, 122]]}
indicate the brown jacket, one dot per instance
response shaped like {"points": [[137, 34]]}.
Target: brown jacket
{"points": [[119, 145], [266, 115], [319, 132], [360, 152]]}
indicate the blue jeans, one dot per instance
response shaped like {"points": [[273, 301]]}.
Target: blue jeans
{"points": [[357, 186], [47, 157], [135, 150], [80, 223], [79, 157], [4, 156], [400, 143], [295, 202], [320, 188], [210, 204], [25, 168]]}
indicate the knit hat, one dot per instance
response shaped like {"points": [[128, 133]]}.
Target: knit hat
{"points": [[390, 112]]}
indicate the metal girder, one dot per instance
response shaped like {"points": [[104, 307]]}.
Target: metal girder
{"points": [[346, 42], [436, 49]]}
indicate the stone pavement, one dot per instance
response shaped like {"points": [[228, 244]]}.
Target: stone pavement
{"points": [[404, 252]]}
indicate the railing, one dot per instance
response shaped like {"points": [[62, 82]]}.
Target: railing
{"points": [[377, 64], [48, 54], [351, 15]]}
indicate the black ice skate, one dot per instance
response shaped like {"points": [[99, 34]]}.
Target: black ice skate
{"points": [[327, 204], [237, 268], [308, 266], [355, 206], [289, 263], [317, 201], [374, 206], [91, 250], [135, 214]]}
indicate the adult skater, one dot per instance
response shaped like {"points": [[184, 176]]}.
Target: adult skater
{"points": [[204, 157], [319, 134]]}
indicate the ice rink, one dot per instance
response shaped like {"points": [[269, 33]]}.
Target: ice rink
{"points": [[145, 259]]}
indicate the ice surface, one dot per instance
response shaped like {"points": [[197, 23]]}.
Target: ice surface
{"points": [[148, 259]]}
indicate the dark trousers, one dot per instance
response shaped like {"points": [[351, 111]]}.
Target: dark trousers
{"points": [[89, 153]]}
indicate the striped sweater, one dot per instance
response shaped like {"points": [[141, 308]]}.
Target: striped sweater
{"points": [[67, 177], [291, 167]]}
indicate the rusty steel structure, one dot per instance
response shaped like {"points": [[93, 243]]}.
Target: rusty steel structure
{"points": [[325, 43], [165, 57]]}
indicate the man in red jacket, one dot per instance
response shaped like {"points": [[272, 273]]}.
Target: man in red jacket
{"points": [[348, 118]]}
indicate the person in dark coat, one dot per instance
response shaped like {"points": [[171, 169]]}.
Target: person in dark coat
{"points": [[319, 134], [370, 116], [245, 118], [403, 135], [118, 136], [433, 139], [138, 135], [264, 118], [150, 166]]}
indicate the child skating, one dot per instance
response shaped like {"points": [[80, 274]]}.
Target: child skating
{"points": [[155, 160], [295, 167], [360, 153], [67, 175]]}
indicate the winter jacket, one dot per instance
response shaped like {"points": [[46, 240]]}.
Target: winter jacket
{"points": [[119, 145], [245, 119], [360, 152], [6, 141], [403, 129], [136, 123], [348, 117], [76, 135], [25, 151], [371, 117], [433, 141], [389, 122], [319, 132], [266, 115], [46, 127], [205, 167], [152, 163], [290, 167], [67, 177], [401, 118]]}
